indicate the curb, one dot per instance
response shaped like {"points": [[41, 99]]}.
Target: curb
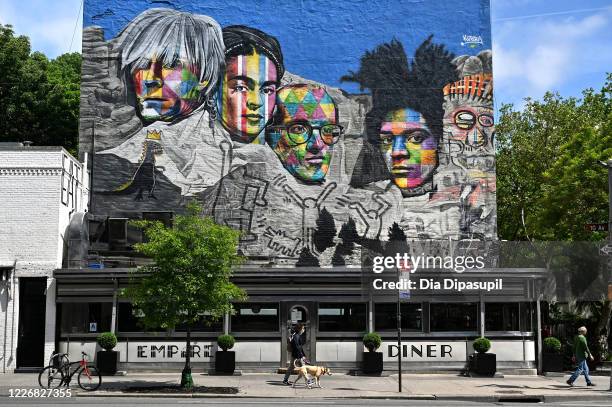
{"points": [[242, 396], [536, 398]]}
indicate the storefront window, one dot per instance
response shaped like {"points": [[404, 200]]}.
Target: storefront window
{"points": [[342, 317], [502, 316], [255, 317], [527, 315], [205, 324], [385, 316], [453, 317], [128, 322], [85, 317]]}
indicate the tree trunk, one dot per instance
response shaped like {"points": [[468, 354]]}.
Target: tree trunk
{"points": [[602, 325], [186, 378]]}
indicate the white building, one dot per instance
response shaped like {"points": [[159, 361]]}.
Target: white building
{"points": [[42, 189]]}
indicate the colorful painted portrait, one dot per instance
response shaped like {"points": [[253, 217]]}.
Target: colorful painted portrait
{"points": [[166, 82], [404, 125], [469, 110], [305, 131], [409, 148], [247, 95]]}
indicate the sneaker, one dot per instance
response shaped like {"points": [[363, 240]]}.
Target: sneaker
{"points": [[570, 383], [286, 383], [591, 384]]}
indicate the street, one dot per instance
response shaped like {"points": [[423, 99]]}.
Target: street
{"points": [[121, 402]]}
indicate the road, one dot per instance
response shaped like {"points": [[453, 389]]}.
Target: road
{"points": [[258, 402]]}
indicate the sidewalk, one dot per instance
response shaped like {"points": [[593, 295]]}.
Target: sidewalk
{"points": [[415, 386]]}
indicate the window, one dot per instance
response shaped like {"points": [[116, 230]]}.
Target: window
{"points": [[502, 316], [255, 317], [205, 324], [342, 317], [85, 317], [128, 322], [385, 316], [453, 317], [528, 317]]}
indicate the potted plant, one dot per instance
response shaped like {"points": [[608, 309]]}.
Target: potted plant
{"points": [[106, 360], [225, 361], [372, 360], [483, 363], [552, 358]]}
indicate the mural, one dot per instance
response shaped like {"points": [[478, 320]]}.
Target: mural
{"points": [[313, 141]]}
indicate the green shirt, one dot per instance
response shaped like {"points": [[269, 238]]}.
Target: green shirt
{"points": [[581, 349]]}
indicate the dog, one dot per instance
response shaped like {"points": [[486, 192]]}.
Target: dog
{"points": [[309, 370]]}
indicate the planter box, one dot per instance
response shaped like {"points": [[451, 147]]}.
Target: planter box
{"points": [[106, 362], [372, 362], [552, 362], [225, 361], [484, 364]]}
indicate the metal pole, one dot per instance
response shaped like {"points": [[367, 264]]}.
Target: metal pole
{"points": [[399, 335], [539, 331]]}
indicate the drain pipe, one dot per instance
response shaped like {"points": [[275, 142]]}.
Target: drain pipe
{"points": [[8, 299]]}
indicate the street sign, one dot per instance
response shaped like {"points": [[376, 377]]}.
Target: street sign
{"points": [[596, 227], [606, 250]]}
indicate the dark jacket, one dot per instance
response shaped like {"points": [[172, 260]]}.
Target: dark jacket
{"points": [[297, 341]]}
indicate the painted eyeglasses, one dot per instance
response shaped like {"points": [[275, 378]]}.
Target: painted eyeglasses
{"points": [[300, 132]]}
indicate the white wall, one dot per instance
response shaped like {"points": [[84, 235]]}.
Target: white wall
{"points": [[33, 221]]}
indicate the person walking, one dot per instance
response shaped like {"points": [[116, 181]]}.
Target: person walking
{"points": [[581, 353], [296, 344]]}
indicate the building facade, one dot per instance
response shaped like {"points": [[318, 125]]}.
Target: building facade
{"points": [[319, 139], [44, 190]]}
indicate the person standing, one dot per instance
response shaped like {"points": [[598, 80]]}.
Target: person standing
{"points": [[298, 338], [581, 353]]}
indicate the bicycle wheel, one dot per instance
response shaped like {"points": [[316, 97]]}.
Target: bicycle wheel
{"points": [[89, 378], [50, 377]]}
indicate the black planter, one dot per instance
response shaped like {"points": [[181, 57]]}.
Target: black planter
{"points": [[552, 362], [106, 362], [225, 361], [483, 364], [372, 362]]}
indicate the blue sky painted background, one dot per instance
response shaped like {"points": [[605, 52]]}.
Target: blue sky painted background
{"points": [[538, 45], [323, 40]]}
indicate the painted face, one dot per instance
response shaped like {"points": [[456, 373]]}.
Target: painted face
{"points": [[248, 95], [166, 93], [409, 148], [305, 138], [472, 125]]}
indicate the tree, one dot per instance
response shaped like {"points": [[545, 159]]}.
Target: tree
{"points": [[548, 181], [546, 166], [326, 231], [39, 98], [190, 274], [307, 259]]}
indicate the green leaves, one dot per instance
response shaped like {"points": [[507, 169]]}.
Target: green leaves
{"points": [[547, 166], [192, 265], [39, 97]]}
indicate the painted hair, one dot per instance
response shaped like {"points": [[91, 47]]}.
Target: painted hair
{"points": [[243, 40], [397, 84], [172, 36]]}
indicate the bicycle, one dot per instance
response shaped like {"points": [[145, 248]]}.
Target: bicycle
{"points": [[60, 372]]}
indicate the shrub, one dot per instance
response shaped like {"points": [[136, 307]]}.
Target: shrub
{"points": [[107, 340], [552, 345], [226, 342], [482, 345], [372, 341]]}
